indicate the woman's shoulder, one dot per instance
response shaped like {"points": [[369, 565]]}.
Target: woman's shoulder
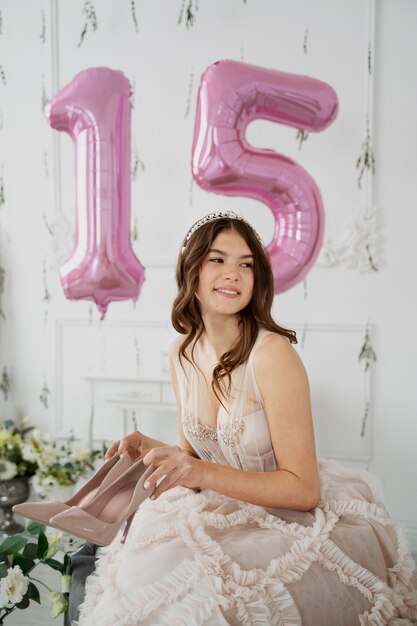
{"points": [[174, 346], [274, 350]]}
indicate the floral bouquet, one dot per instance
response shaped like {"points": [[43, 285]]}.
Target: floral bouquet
{"points": [[59, 465], [20, 554], [14, 460], [26, 451]]}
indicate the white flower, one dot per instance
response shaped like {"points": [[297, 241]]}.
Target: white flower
{"points": [[54, 541], [13, 586], [25, 420], [7, 470], [59, 603], [28, 453], [80, 454]]}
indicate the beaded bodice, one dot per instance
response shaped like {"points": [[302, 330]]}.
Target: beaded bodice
{"points": [[240, 435]]}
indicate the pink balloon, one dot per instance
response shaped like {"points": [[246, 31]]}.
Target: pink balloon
{"points": [[94, 109], [231, 95]]}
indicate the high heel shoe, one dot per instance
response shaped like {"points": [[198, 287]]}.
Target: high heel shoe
{"points": [[42, 512], [100, 519]]}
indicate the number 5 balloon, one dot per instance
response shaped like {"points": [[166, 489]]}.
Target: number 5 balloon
{"points": [[94, 109], [231, 95]]}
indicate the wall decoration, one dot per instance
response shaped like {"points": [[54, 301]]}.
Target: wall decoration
{"points": [[94, 109], [42, 36], [5, 384], [189, 93], [2, 192], [189, 11], [367, 353], [231, 95], [302, 136], [44, 394], [358, 248], [133, 12], [305, 40], [90, 20], [366, 160]]}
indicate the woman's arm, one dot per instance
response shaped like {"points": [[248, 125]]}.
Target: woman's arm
{"points": [[284, 388]]}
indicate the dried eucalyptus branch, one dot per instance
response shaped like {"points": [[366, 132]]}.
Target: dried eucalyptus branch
{"points": [[2, 194], [43, 28], [134, 18], [5, 385], [369, 59], [2, 284], [372, 264], [302, 135], [46, 293], [44, 395], [90, 19], [367, 353], [305, 40], [135, 161], [366, 160], [44, 97], [132, 93], [190, 89], [365, 418], [135, 231], [189, 13]]}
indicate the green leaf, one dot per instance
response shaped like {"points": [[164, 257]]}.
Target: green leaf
{"points": [[42, 545], [67, 564], [33, 593], [30, 551], [24, 564], [13, 544], [34, 528], [24, 603], [55, 564], [3, 570]]}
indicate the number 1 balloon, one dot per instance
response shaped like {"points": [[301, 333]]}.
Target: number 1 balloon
{"points": [[94, 109], [231, 95]]}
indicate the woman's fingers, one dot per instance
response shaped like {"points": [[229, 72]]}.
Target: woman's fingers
{"points": [[112, 450], [171, 480]]}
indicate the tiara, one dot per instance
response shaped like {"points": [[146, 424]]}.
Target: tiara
{"points": [[215, 216]]}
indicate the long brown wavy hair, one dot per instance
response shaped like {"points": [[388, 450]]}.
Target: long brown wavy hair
{"points": [[186, 315]]}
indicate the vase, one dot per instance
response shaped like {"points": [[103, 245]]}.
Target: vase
{"points": [[12, 491]]}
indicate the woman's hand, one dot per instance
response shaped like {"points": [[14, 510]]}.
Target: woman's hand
{"points": [[135, 444], [178, 466]]}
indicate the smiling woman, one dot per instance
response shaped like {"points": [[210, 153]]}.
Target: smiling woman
{"points": [[245, 524]]}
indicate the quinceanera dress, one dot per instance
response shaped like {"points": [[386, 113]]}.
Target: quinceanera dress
{"points": [[207, 559]]}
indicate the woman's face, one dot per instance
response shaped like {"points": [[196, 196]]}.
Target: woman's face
{"points": [[226, 275]]}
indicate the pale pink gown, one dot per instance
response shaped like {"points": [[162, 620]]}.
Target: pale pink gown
{"points": [[206, 559]]}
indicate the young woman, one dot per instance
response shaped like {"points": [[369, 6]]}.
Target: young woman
{"points": [[246, 526]]}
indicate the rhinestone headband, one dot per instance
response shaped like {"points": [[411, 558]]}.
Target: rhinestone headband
{"points": [[215, 216]]}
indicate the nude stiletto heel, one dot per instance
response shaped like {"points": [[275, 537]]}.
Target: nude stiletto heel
{"points": [[42, 512], [127, 527], [100, 520]]}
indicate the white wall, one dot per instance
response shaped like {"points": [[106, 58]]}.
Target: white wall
{"points": [[340, 300]]}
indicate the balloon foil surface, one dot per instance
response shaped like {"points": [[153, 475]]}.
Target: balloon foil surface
{"points": [[231, 95], [94, 109]]}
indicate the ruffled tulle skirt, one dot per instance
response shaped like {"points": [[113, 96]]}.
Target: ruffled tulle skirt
{"points": [[206, 559]]}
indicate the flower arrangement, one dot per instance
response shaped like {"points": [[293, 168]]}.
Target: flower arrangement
{"points": [[25, 451], [14, 460], [20, 554]]}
